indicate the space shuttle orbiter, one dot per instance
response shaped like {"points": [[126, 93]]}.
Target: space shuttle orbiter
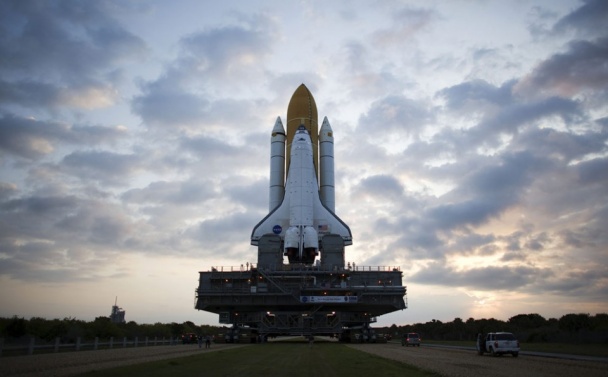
{"points": [[301, 210]]}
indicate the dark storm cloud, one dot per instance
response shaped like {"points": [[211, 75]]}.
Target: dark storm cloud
{"points": [[593, 171], [254, 195], [468, 95], [395, 114], [174, 108], [104, 166], [220, 235], [381, 187], [407, 23], [60, 238], [587, 283], [219, 51], [589, 19], [53, 47], [7, 190], [64, 38], [421, 243], [33, 139], [554, 144], [106, 230], [485, 193], [469, 242], [222, 54], [37, 271], [39, 218], [582, 67], [172, 193], [208, 147], [427, 151], [62, 219], [29, 93], [39, 205], [510, 118], [482, 278], [590, 239], [503, 112], [170, 107]]}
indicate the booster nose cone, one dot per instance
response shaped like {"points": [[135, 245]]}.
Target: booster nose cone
{"points": [[302, 109]]}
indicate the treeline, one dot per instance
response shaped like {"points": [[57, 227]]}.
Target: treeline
{"points": [[530, 328], [69, 329], [570, 328]]}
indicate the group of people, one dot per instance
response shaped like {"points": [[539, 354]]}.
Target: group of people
{"points": [[206, 339]]}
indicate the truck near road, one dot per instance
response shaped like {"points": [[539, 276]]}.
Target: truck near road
{"points": [[497, 343]]}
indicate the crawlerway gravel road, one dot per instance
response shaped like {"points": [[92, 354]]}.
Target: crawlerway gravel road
{"points": [[463, 363], [447, 362], [74, 363]]}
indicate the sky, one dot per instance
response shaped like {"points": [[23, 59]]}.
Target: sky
{"points": [[470, 149]]}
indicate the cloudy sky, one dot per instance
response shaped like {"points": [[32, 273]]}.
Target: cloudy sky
{"points": [[470, 138]]}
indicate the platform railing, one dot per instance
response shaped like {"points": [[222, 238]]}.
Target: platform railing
{"points": [[286, 267]]}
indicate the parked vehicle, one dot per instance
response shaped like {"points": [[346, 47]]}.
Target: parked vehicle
{"points": [[411, 339], [498, 343], [189, 338]]}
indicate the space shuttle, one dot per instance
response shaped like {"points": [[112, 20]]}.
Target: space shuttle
{"points": [[302, 191]]}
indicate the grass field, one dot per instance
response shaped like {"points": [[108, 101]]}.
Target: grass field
{"points": [[290, 359], [599, 350]]}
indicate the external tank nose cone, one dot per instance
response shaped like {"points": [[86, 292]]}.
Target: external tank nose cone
{"points": [[302, 109]]}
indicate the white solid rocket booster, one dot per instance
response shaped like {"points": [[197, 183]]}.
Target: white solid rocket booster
{"points": [[277, 165], [326, 165]]}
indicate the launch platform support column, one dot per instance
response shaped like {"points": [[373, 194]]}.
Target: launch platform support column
{"points": [[270, 254], [332, 256]]}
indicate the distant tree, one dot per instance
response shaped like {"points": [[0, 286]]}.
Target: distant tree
{"points": [[176, 328], [458, 329], [157, 330], [491, 324], [160, 330], [38, 326], [471, 328], [527, 321], [17, 327], [103, 327], [55, 329], [131, 329], [75, 329], [599, 321], [575, 322]]}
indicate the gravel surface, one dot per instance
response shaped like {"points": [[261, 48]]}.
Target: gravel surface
{"points": [[74, 363], [447, 362], [462, 363]]}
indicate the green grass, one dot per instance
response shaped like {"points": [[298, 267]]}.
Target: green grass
{"points": [[598, 350], [291, 359]]}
